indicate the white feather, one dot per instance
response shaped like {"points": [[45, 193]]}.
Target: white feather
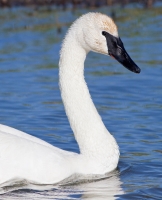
{"points": [[24, 157]]}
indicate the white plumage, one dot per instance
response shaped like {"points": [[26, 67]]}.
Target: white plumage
{"points": [[24, 157]]}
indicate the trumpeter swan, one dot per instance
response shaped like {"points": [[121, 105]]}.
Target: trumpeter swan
{"points": [[24, 157]]}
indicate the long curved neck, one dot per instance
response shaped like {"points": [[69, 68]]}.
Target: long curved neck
{"points": [[84, 119]]}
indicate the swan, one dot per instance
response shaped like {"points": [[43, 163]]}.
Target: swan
{"points": [[25, 157]]}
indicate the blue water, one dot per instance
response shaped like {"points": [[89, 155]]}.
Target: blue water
{"points": [[130, 104]]}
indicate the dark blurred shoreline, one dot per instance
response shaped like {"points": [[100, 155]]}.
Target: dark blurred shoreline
{"points": [[74, 3]]}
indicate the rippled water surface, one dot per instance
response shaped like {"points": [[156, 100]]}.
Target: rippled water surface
{"points": [[130, 104]]}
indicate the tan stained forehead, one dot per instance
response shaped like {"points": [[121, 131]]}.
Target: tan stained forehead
{"points": [[107, 24]]}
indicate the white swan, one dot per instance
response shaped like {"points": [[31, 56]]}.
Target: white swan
{"points": [[24, 157]]}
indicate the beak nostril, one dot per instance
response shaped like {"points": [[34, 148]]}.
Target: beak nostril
{"points": [[116, 50]]}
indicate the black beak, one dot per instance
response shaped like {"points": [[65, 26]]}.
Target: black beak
{"points": [[116, 50]]}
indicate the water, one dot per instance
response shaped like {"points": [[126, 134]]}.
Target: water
{"points": [[130, 104]]}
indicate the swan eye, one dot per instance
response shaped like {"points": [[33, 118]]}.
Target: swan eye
{"points": [[104, 33]]}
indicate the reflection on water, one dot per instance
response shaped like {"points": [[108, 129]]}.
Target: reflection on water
{"points": [[129, 104], [108, 188]]}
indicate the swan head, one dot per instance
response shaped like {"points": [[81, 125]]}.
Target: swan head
{"points": [[99, 33]]}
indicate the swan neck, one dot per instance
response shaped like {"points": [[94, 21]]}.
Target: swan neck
{"points": [[87, 125]]}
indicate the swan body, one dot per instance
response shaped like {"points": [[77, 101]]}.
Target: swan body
{"points": [[25, 157]]}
